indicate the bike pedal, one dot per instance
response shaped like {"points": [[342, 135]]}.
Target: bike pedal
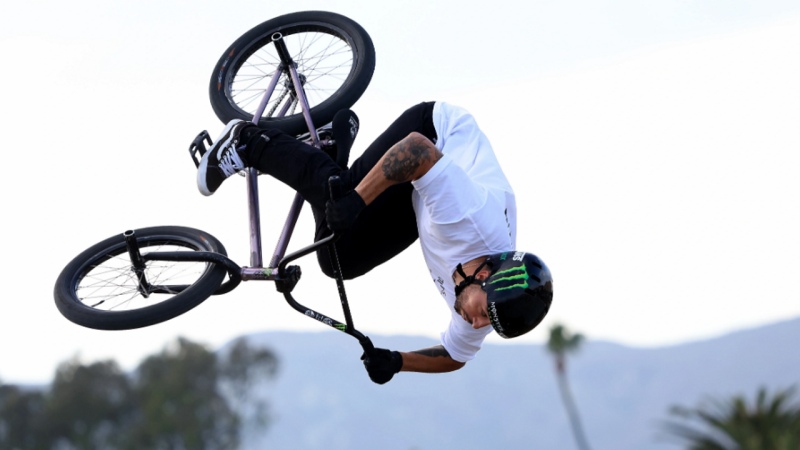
{"points": [[287, 280], [198, 147]]}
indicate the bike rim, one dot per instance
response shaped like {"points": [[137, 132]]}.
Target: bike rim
{"points": [[110, 284], [324, 57]]}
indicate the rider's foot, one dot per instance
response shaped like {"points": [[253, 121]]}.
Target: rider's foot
{"points": [[344, 129], [224, 158]]}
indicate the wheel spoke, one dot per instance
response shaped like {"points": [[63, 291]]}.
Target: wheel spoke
{"points": [[323, 59], [112, 285]]}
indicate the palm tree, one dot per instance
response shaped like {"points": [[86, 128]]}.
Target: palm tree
{"points": [[560, 343], [770, 424]]}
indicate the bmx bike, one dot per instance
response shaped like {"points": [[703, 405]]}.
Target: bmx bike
{"points": [[291, 72]]}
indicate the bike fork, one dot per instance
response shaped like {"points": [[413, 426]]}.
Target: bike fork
{"points": [[137, 263]]}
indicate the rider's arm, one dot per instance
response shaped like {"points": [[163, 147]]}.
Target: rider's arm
{"points": [[407, 160], [430, 360]]}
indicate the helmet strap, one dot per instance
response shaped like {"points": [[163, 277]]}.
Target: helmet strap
{"points": [[469, 279]]}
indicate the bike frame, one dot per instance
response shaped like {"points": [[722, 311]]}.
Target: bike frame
{"points": [[278, 270]]}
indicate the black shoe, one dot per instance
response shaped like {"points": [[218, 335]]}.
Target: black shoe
{"points": [[223, 159], [344, 129]]}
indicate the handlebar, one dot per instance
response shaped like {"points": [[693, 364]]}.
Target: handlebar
{"points": [[289, 275]]}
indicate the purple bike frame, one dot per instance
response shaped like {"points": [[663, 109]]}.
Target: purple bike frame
{"points": [[257, 269], [277, 269]]}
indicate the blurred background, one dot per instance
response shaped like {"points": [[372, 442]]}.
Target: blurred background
{"points": [[652, 146]]}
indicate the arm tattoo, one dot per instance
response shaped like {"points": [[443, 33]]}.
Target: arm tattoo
{"points": [[403, 160], [433, 352]]}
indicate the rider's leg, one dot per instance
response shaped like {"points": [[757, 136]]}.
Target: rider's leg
{"points": [[302, 167], [344, 129], [386, 227], [306, 169]]}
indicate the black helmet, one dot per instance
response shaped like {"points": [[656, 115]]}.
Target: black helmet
{"points": [[518, 292]]}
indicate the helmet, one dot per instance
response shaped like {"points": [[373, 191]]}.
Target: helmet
{"points": [[518, 292]]}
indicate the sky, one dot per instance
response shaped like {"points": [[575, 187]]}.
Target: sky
{"points": [[653, 148]]}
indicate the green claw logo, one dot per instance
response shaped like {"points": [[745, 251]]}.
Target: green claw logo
{"points": [[340, 326], [517, 276]]}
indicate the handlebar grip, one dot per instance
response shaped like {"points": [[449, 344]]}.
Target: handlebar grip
{"points": [[367, 345], [336, 187]]}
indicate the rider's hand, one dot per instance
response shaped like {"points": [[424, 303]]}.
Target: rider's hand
{"points": [[341, 213], [382, 364]]}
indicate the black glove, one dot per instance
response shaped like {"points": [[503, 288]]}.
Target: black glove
{"points": [[382, 364], [341, 213]]}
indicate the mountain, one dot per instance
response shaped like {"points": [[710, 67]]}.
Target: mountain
{"points": [[508, 396]]}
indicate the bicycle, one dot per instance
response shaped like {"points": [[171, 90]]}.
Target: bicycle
{"points": [[290, 72]]}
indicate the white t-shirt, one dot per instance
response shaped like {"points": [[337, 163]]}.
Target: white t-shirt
{"points": [[465, 209]]}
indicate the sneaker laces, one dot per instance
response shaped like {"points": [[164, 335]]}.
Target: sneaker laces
{"points": [[230, 162]]}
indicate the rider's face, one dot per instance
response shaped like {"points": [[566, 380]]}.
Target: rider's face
{"points": [[471, 304]]}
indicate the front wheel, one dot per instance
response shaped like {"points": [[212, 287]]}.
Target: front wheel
{"points": [[335, 59], [100, 288]]}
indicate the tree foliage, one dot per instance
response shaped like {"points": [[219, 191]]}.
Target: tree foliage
{"points": [[562, 342], [20, 414], [86, 404], [771, 423], [182, 398]]}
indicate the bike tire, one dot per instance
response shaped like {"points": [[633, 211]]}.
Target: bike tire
{"points": [[334, 54], [98, 288]]}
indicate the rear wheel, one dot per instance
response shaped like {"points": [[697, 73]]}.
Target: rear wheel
{"points": [[335, 59], [99, 288]]}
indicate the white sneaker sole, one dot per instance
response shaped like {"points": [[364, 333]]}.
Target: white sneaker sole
{"points": [[202, 169]]}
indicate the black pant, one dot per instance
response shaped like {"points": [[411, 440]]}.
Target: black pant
{"points": [[385, 227]]}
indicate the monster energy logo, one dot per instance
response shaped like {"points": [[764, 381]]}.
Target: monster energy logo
{"points": [[517, 276], [496, 320], [340, 326]]}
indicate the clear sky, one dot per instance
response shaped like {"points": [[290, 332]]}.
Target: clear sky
{"points": [[654, 148]]}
